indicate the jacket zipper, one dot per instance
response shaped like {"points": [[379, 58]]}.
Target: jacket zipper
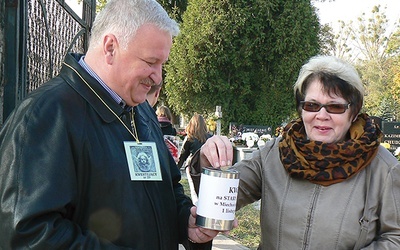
{"points": [[310, 216]]}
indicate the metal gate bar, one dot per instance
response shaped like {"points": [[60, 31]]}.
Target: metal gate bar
{"points": [[38, 34]]}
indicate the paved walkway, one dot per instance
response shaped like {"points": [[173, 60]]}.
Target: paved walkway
{"points": [[222, 242]]}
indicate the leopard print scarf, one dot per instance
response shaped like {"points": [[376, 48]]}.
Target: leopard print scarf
{"points": [[329, 163]]}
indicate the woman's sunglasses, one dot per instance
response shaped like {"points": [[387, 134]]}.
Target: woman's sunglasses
{"points": [[333, 108]]}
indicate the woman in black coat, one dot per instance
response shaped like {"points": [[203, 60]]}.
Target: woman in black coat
{"points": [[164, 118]]}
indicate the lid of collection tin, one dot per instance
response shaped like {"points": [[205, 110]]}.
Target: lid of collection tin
{"points": [[230, 173]]}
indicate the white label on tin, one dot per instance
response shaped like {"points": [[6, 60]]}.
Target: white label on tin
{"points": [[217, 197]]}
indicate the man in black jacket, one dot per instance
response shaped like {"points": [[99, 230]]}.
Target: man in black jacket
{"points": [[69, 176]]}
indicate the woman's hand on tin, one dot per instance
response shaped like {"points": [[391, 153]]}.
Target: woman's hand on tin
{"points": [[217, 152]]}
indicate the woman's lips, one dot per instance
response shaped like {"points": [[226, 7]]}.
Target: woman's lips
{"points": [[323, 129]]}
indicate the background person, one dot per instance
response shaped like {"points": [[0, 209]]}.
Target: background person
{"points": [[171, 141], [64, 177], [327, 183], [196, 136], [164, 118], [154, 94]]}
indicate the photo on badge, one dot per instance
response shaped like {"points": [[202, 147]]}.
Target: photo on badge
{"points": [[143, 161]]}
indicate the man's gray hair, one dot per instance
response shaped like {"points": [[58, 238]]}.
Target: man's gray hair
{"points": [[124, 17]]}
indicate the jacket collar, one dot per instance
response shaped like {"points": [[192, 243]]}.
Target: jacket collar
{"points": [[85, 84]]}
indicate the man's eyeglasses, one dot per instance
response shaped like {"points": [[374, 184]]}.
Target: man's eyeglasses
{"points": [[333, 108]]}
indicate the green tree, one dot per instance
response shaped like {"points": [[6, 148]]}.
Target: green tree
{"points": [[337, 44], [100, 5], [326, 40], [175, 8], [374, 48], [376, 45], [371, 36], [394, 69], [386, 109], [243, 55]]}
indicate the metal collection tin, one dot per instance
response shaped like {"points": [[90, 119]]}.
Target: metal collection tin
{"points": [[217, 198]]}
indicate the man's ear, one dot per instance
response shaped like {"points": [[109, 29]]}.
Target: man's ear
{"points": [[110, 45]]}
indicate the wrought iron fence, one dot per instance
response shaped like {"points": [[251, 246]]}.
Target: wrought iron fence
{"points": [[38, 34]]}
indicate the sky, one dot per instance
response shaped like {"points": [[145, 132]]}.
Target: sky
{"points": [[331, 11], [75, 6], [346, 10]]}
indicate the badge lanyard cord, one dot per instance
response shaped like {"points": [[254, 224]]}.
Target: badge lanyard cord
{"points": [[133, 132]]}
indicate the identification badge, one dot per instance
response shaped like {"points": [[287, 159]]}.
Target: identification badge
{"points": [[143, 161]]}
